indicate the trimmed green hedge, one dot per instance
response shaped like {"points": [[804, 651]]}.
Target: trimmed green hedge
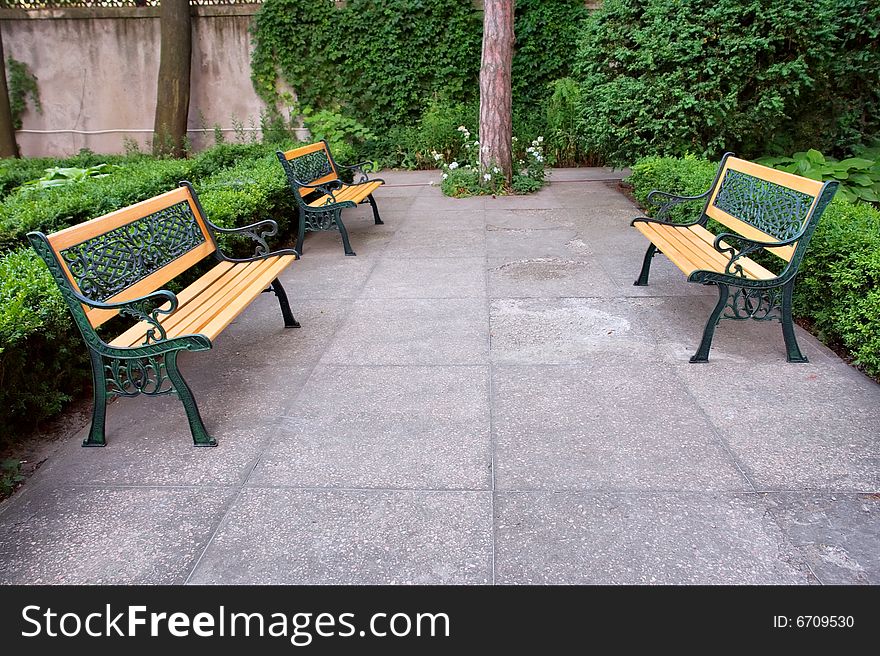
{"points": [[838, 288], [43, 361]]}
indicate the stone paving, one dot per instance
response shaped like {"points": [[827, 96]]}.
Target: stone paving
{"points": [[480, 396]]}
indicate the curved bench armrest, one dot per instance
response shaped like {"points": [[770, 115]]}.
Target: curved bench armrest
{"points": [[747, 246], [259, 232], [144, 308]]}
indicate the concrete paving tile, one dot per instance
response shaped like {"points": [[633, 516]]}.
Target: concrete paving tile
{"points": [[450, 277], [325, 275], [426, 244], [547, 277], [618, 424], [412, 331], [78, 535], [569, 330], [366, 239], [281, 536], [258, 337], [521, 244], [539, 200], [528, 219], [794, 426], [386, 427], [576, 538], [163, 454], [835, 533], [456, 221], [431, 199]]}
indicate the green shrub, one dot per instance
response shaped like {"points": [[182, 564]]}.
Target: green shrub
{"points": [[838, 290], [858, 177], [686, 176], [54, 208], [669, 77], [838, 287], [42, 358]]}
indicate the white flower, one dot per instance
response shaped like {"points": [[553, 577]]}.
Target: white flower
{"points": [[513, 139], [453, 166], [530, 149], [539, 158], [437, 157], [476, 143], [445, 175], [540, 139], [487, 176], [495, 169], [462, 128]]}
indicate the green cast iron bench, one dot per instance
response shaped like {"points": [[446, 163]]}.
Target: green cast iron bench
{"points": [[116, 265], [767, 210], [320, 193]]}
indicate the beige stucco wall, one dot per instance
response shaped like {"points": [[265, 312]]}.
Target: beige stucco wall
{"points": [[97, 72]]}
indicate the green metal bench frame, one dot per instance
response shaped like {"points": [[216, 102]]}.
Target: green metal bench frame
{"points": [[777, 211], [103, 267], [313, 174]]}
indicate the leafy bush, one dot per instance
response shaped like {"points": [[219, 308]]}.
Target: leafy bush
{"points": [[58, 176], [670, 77], [55, 208], [859, 177], [42, 358], [838, 288]]}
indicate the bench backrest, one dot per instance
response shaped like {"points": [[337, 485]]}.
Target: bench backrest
{"points": [[128, 253], [764, 204], [312, 164]]}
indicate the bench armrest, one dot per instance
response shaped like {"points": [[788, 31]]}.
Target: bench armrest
{"points": [[258, 231], [144, 308], [361, 168], [745, 248], [666, 201]]}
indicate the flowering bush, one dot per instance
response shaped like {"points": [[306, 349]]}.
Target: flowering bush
{"points": [[467, 178]]}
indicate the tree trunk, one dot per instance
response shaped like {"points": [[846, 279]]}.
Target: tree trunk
{"points": [[8, 146], [496, 122], [172, 100]]}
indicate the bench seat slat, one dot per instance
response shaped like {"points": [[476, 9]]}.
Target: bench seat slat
{"points": [[353, 193], [213, 301], [691, 249]]}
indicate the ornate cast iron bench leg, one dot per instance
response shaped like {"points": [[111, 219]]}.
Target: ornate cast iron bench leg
{"points": [[702, 354], [184, 393], [289, 321], [646, 266], [99, 406], [342, 231], [793, 351], [376, 217]]}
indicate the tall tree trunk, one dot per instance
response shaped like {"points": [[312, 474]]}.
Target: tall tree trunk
{"points": [[172, 100], [496, 122], [8, 146]]}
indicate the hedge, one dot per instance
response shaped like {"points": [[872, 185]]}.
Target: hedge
{"points": [[838, 289], [43, 361]]}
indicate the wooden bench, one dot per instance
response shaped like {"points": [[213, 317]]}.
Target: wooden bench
{"points": [[767, 210], [320, 193], [116, 264]]}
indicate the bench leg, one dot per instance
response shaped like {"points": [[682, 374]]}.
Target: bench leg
{"points": [[702, 354], [301, 233], [375, 210], [289, 321], [342, 231], [196, 425], [793, 351], [99, 409], [646, 266]]}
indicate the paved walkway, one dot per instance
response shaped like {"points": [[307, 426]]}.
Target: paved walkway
{"points": [[480, 396]]}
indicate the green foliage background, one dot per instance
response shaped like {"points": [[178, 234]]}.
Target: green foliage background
{"points": [[387, 63], [704, 76]]}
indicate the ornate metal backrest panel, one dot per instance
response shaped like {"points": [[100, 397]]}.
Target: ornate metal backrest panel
{"points": [[311, 166], [109, 263], [772, 208]]}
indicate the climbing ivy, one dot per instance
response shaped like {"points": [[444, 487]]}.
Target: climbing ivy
{"points": [[22, 85], [383, 62]]}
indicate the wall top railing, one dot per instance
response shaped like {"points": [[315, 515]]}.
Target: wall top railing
{"points": [[67, 4]]}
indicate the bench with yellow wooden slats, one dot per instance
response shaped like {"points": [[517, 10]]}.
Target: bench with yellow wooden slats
{"points": [[764, 210], [116, 265], [321, 194]]}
